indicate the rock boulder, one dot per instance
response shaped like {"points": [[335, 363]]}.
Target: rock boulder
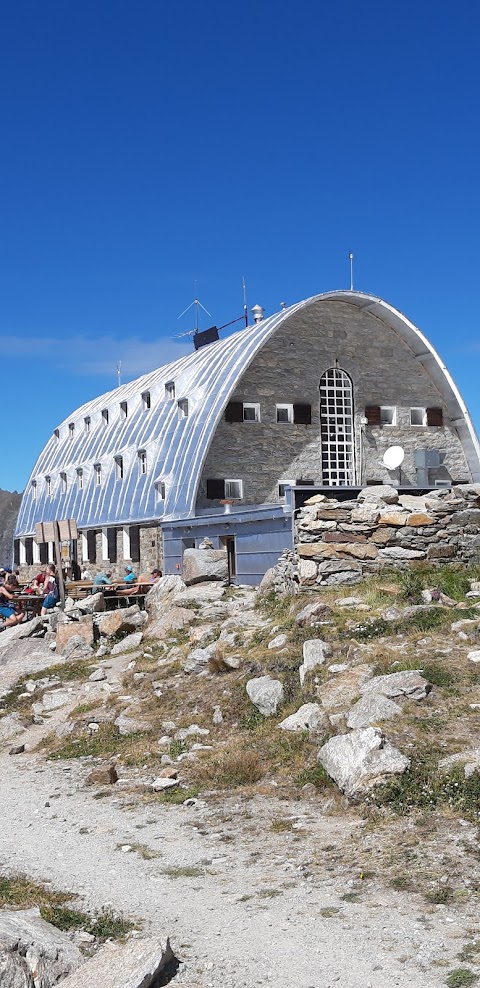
{"points": [[201, 565], [359, 761], [266, 694]]}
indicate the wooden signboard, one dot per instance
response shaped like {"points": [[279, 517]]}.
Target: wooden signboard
{"points": [[68, 530]]}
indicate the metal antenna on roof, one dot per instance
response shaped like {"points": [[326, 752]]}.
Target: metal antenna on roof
{"points": [[350, 258], [245, 308], [119, 372], [196, 302]]}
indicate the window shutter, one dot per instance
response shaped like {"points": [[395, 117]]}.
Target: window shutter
{"points": [[301, 482], [112, 544], [234, 411], [92, 545], [16, 552], [135, 543], [44, 552], [372, 413], [29, 551], [215, 489], [302, 414], [434, 416]]}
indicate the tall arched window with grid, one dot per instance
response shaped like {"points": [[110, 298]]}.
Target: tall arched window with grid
{"points": [[336, 427]]}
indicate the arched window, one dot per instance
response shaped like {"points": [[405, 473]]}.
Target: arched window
{"points": [[336, 426]]}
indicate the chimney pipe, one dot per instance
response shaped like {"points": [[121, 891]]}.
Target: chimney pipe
{"points": [[258, 313]]}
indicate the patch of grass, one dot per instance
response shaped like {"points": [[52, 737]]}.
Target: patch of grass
{"points": [[440, 895], [184, 871], [104, 923], [403, 883], [422, 786], [470, 951], [351, 897], [229, 768], [177, 748], [84, 708], [20, 892], [269, 893], [329, 911], [316, 776], [460, 977], [281, 825], [106, 741], [177, 796], [371, 628]]}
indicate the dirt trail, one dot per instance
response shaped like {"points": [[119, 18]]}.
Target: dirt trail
{"points": [[259, 908]]}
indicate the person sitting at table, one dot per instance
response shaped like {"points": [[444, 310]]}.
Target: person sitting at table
{"points": [[129, 575], [50, 589], [86, 574], [11, 579], [8, 609], [156, 575], [103, 579]]}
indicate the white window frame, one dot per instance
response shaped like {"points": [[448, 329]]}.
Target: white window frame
{"points": [[418, 425], [126, 542], [251, 406], [56, 433], [123, 409], [105, 417], [160, 490], [87, 424], [104, 545], [84, 541], [34, 491], [229, 494], [337, 428], [182, 404], [119, 468], [79, 479], [388, 408], [98, 474], [71, 430], [142, 462], [170, 390], [36, 553], [283, 406], [284, 483], [146, 401], [63, 483], [48, 486]]}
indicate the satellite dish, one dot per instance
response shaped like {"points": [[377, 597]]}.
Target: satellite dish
{"points": [[393, 457]]}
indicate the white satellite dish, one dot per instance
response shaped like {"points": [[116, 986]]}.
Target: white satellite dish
{"points": [[393, 457]]}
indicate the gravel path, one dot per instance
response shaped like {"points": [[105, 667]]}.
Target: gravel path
{"points": [[261, 907]]}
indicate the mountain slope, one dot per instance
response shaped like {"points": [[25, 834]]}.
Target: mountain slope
{"points": [[9, 508]]}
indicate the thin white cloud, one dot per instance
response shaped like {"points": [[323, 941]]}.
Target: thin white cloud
{"points": [[89, 356]]}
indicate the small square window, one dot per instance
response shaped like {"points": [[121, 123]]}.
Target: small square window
{"points": [[234, 489], [98, 474], [282, 487], [71, 430], [183, 407], [170, 390], [105, 417], [48, 486], [146, 401], [142, 462], [86, 425], [388, 415], [63, 483], [34, 490], [251, 412], [79, 480], [418, 416], [284, 413], [123, 409], [160, 489], [119, 467], [56, 433]]}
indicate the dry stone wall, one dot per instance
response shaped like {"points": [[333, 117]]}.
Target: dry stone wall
{"points": [[337, 542]]}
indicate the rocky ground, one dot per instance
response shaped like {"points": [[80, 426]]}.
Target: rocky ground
{"points": [[227, 832]]}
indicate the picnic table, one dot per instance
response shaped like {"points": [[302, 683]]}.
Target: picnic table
{"points": [[31, 602]]}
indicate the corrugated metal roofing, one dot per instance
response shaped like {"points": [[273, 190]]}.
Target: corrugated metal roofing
{"points": [[176, 446]]}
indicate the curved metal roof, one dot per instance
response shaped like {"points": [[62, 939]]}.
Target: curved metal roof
{"points": [[176, 446]]}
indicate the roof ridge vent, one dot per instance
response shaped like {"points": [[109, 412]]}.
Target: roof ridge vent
{"points": [[258, 313]]}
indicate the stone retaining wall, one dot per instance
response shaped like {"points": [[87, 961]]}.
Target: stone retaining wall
{"points": [[339, 541]]}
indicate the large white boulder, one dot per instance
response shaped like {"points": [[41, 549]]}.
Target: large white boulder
{"points": [[315, 653], [408, 684], [201, 565], [359, 761], [266, 694], [370, 709], [33, 952], [379, 492], [310, 717]]}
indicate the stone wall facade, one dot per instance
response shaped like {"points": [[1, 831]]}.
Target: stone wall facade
{"points": [[337, 542], [383, 370]]}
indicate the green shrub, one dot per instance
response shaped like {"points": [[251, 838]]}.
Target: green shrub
{"points": [[423, 787]]}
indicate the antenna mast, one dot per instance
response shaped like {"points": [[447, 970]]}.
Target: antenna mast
{"points": [[245, 309], [350, 258], [119, 372], [197, 304]]}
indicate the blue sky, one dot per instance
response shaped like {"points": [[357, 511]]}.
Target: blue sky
{"points": [[154, 150]]}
